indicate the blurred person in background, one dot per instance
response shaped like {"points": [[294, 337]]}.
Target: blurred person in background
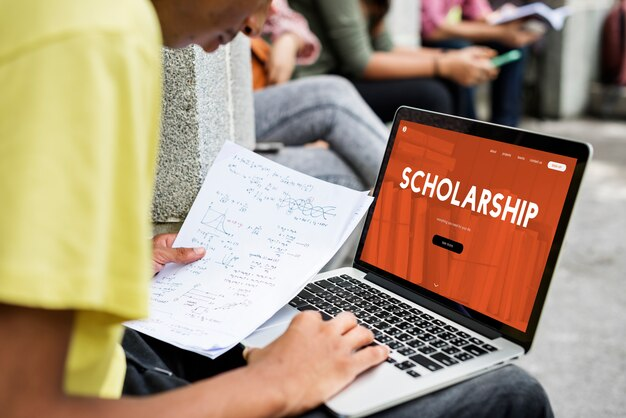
{"points": [[319, 125], [458, 24], [355, 44]]}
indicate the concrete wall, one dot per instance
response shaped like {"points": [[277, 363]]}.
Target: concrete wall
{"points": [[403, 22], [207, 100], [570, 60]]}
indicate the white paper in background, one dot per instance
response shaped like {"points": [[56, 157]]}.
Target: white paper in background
{"points": [[555, 17], [267, 230]]}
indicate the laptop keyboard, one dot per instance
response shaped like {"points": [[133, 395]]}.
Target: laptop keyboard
{"points": [[414, 337]]}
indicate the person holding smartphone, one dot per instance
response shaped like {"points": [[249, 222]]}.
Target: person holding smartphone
{"points": [[356, 45], [457, 24]]}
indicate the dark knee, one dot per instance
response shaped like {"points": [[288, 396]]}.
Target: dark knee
{"points": [[521, 395]]}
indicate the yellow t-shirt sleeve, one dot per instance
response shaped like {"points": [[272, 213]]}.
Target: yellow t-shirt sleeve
{"points": [[76, 168], [80, 108]]}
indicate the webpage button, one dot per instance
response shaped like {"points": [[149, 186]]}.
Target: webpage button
{"points": [[556, 166], [448, 244]]}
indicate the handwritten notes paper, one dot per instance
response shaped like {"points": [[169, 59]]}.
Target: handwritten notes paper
{"points": [[267, 230]]}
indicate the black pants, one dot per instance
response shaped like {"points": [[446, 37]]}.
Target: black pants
{"points": [[153, 366], [385, 96]]}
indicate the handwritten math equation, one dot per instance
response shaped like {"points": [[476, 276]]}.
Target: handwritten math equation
{"points": [[246, 252], [266, 230]]}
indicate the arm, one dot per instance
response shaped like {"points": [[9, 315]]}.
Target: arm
{"points": [[469, 66], [311, 362], [347, 34], [476, 31], [400, 64], [32, 357], [285, 21], [474, 26], [511, 34], [283, 58], [292, 42], [350, 41]]}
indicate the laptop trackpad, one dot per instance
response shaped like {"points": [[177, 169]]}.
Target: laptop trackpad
{"points": [[272, 328]]}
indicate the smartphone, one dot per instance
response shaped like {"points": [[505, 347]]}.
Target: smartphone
{"points": [[268, 147], [506, 58]]}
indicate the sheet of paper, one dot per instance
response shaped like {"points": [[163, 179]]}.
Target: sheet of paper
{"points": [[267, 230], [555, 17]]}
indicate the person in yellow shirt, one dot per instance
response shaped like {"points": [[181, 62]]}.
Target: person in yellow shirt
{"points": [[80, 111]]}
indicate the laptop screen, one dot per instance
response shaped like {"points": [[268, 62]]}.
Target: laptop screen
{"points": [[467, 218]]}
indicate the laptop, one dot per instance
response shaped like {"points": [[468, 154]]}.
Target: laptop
{"points": [[455, 258]]}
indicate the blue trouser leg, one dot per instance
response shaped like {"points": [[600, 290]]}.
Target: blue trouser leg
{"points": [[464, 97], [506, 90]]}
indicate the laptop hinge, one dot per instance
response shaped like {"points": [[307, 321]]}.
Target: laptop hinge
{"points": [[433, 306]]}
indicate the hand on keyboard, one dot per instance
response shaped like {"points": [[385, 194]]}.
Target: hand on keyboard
{"points": [[314, 359], [404, 329]]}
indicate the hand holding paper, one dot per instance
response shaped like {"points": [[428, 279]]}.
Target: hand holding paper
{"points": [[266, 230]]}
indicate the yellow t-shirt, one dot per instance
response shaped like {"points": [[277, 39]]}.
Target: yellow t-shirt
{"points": [[79, 117]]}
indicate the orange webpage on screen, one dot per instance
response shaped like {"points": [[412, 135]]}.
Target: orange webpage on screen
{"points": [[468, 218]]}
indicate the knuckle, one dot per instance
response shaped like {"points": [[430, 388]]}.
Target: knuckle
{"points": [[375, 355], [367, 334], [328, 330], [299, 318], [344, 364], [348, 317], [307, 316]]}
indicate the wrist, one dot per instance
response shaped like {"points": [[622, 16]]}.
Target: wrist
{"points": [[277, 401], [290, 40], [503, 34], [441, 65]]}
